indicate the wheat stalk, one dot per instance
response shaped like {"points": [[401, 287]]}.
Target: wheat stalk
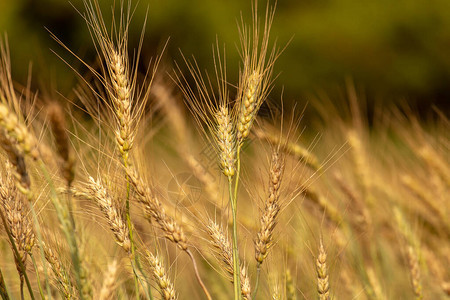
{"points": [[3, 290]]}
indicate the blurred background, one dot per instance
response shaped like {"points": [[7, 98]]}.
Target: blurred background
{"points": [[394, 51]]}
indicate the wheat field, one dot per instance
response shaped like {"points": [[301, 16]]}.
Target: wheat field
{"points": [[175, 183]]}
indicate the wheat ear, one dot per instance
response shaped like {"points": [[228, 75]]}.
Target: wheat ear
{"points": [[22, 180], [113, 215], [161, 278], [323, 286], [226, 141], [223, 248], [59, 129], [118, 80], [121, 97], [294, 149], [290, 286], [60, 275], [361, 165], [18, 222], [154, 209], [249, 106], [414, 269], [109, 282], [16, 132], [268, 220]]}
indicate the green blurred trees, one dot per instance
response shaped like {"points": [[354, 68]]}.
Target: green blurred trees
{"points": [[390, 47]]}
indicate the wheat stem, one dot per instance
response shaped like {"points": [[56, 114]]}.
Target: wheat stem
{"points": [[3, 290], [41, 291], [258, 275], [236, 277], [199, 279]]}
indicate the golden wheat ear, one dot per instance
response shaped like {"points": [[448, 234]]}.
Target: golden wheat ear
{"points": [[159, 274], [226, 141], [154, 209], [323, 286], [113, 216], [118, 77], [17, 219], [62, 142], [222, 246], [255, 78], [109, 282], [59, 273], [209, 102], [12, 124], [272, 207]]}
